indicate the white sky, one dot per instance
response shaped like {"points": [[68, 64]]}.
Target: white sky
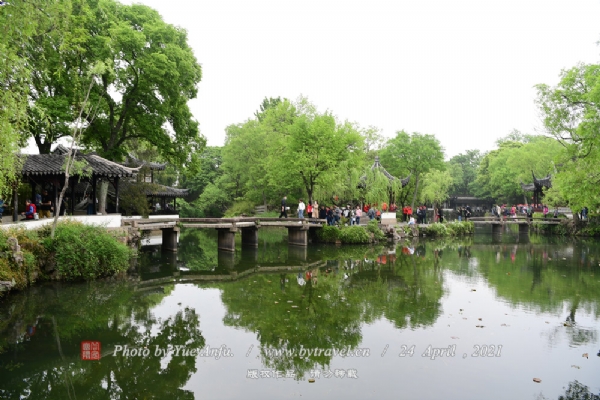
{"points": [[462, 70]]}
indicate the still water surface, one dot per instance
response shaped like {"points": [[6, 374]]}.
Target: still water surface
{"points": [[468, 318]]}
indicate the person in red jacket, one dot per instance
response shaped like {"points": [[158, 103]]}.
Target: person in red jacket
{"points": [[30, 210]]}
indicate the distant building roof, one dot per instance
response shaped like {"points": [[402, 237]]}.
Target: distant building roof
{"points": [[154, 166]]}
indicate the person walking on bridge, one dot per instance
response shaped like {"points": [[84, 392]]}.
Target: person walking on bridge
{"points": [[283, 212]]}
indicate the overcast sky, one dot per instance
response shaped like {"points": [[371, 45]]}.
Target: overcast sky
{"points": [[461, 70]]}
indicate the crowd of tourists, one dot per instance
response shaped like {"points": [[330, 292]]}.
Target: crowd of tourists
{"points": [[352, 214], [505, 211]]}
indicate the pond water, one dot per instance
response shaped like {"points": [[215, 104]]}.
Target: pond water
{"points": [[462, 318]]}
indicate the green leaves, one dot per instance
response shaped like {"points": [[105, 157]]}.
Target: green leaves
{"points": [[571, 115]]}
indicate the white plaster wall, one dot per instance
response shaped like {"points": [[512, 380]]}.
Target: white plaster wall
{"points": [[108, 221]]}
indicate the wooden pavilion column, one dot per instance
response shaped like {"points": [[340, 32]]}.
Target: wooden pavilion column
{"points": [[55, 192], [94, 194], [117, 194], [33, 193], [72, 186], [15, 205]]}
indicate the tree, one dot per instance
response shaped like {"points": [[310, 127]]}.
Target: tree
{"points": [[414, 153], [315, 148], [150, 76], [266, 104], [502, 171], [463, 168], [20, 21], [571, 114], [207, 169], [436, 186], [56, 78], [246, 159]]}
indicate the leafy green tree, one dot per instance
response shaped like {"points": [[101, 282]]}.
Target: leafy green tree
{"points": [[20, 22], [57, 78], [246, 157], [570, 115], [266, 104], [463, 169], [315, 149], [436, 186], [207, 170], [143, 93], [415, 154], [502, 171]]}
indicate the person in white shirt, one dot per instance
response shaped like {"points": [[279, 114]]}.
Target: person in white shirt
{"points": [[301, 208]]}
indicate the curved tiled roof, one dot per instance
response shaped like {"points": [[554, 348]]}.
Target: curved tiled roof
{"points": [[538, 184], [131, 160], [52, 164], [377, 165]]}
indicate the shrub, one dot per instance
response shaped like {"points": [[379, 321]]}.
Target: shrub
{"points": [[240, 207], [328, 234], [86, 252], [437, 229], [460, 228], [373, 227], [354, 234], [134, 200]]}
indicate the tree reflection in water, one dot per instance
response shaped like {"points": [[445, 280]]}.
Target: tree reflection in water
{"points": [[45, 362]]}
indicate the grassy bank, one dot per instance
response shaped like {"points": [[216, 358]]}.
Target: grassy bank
{"points": [[77, 252]]}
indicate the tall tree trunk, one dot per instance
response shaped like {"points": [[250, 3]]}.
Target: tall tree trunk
{"points": [[102, 197], [416, 190], [77, 130]]}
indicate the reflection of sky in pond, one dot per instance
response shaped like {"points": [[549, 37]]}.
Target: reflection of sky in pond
{"points": [[537, 300]]}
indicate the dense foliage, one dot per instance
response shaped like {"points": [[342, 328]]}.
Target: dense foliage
{"points": [[77, 252], [140, 105]]}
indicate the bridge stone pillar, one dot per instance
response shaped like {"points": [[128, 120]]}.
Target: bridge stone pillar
{"points": [[169, 238], [298, 236], [250, 236], [226, 240], [497, 229], [523, 229]]}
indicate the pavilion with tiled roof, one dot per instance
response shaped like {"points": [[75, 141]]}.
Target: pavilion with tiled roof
{"points": [[537, 187], [377, 166], [44, 169], [362, 183]]}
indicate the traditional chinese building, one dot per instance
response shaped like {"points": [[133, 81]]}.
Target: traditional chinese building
{"points": [[537, 187], [47, 172], [362, 184]]}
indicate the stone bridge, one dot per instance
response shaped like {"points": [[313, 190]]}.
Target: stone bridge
{"points": [[298, 229]]}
